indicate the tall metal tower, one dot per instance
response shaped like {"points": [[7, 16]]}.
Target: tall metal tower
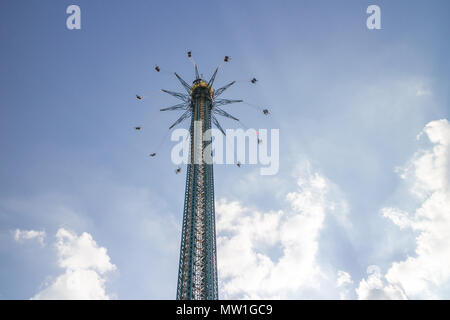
{"points": [[197, 272]]}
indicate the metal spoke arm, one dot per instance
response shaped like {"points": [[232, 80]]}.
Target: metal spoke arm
{"points": [[222, 102], [197, 76], [217, 124], [181, 96], [224, 113], [211, 81], [219, 91], [184, 83], [181, 106], [185, 115]]}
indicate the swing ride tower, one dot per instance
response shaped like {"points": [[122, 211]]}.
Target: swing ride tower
{"points": [[197, 272]]}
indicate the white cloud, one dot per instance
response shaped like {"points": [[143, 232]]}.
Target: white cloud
{"points": [[272, 254], [343, 278], [421, 275], [399, 217], [344, 282], [375, 287], [86, 267], [20, 235]]}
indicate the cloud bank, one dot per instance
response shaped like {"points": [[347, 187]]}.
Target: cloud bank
{"points": [[269, 255], [424, 274], [86, 266], [20, 235]]}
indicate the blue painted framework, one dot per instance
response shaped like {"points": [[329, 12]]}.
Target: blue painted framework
{"points": [[199, 200]]}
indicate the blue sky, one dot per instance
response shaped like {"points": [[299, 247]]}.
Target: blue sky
{"points": [[349, 103]]}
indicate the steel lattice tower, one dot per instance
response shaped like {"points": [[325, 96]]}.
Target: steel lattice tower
{"points": [[197, 273]]}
